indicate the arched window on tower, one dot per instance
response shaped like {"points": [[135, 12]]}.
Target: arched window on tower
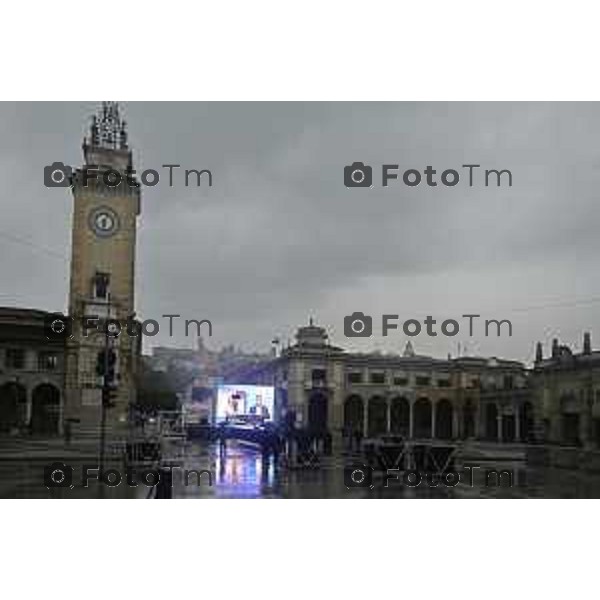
{"points": [[100, 284]]}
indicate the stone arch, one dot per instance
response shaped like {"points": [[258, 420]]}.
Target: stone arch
{"points": [[13, 401], [422, 418], [45, 409], [354, 410], [468, 420], [317, 412], [400, 416], [377, 416], [444, 415], [570, 419], [491, 422], [527, 422], [509, 428]]}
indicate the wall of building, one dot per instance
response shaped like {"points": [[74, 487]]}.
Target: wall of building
{"points": [[31, 375], [415, 396], [567, 390]]}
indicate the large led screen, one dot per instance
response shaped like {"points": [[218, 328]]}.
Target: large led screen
{"points": [[245, 402]]}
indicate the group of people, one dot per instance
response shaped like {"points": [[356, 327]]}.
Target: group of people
{"points": [[298, 446]]}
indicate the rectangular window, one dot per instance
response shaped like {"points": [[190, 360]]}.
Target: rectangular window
{"points": [[423, 381], [444, 383], [319, 375], [15, 358], [401, 381], [474, 384], [355, 378], [378, 378], [47, 361], [101, 281]]}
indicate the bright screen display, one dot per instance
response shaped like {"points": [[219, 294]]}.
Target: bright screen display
{"points": [[245, 402]]}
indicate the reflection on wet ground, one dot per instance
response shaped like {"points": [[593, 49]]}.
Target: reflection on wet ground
{"points": [[241, 472]]}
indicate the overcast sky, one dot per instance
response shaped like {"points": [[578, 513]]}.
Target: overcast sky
{"points": [[279, 238]]}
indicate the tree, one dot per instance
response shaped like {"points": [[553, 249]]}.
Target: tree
{"points": [[155, 391]]}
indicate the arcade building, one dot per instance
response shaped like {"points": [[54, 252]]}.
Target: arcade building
{"points": [[327, 388], [31, 374]]}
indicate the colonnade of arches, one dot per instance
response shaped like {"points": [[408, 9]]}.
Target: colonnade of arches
{"points": [[499, 426], [420, 419], [424, 418], [38, 411]]}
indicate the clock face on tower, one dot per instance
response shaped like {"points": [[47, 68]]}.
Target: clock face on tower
{"points": [[103, 221]]}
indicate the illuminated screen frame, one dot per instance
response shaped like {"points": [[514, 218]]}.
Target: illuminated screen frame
{"points": [[241, 401]]}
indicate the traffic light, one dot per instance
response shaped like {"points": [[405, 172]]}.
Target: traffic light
{"points": [[100, 362], [106, 364], [110, 377], [109, 396]]}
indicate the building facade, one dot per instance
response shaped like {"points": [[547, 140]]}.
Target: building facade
{"points": [[327, 388], [31, 374], [567, 386]]}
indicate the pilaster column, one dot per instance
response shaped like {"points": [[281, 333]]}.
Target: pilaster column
{"points": [[555, 427], [477, 428], [584, 428], [28, 405], [388, 414], [366, 418], [433, 412], [302, 411], [455, 423], [411, 428], [517, 423], [499, 427]]}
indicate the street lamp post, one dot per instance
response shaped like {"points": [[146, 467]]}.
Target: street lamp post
{"points": [[107, 382], [104, 397]]}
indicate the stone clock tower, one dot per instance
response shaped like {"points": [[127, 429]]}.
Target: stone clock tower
{"points": [[102, 273]]}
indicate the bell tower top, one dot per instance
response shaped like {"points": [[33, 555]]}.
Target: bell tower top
{"points": [[106, 145], [107, 128]]}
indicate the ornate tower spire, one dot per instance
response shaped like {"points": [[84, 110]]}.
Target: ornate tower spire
{"points": [[108, 130], [106, 145]]}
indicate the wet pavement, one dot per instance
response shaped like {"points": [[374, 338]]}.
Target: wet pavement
{"points": [[241, 472], [204, 470]]}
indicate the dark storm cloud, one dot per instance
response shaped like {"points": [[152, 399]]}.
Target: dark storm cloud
{"points": [[279, 237]]}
